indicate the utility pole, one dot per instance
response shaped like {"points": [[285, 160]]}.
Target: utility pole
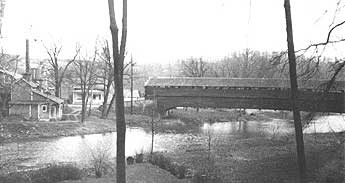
{"points": [[131, 84], [294, 94]]}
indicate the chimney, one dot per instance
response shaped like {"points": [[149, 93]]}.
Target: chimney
{"points": [[27, 74]]}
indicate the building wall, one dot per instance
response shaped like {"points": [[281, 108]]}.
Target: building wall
{"points": [[34, 111], [23, 110], [44, 114], [95, 97], [21, 91]]}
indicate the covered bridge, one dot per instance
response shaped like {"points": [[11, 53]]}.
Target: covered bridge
{"points": [[249, 93]]}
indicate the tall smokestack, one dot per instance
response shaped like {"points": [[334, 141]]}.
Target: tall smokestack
{"points": [[27, 74], [27, 59]]}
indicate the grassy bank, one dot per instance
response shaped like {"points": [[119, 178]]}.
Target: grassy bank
{"points": [[17, 131], [261, 159]]}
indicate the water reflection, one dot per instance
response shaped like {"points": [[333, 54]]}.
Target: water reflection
{"points": [[248, 128], [324, 124], [77, 149]]}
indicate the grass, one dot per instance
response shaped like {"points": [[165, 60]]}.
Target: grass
{"points": [[256, 160]]}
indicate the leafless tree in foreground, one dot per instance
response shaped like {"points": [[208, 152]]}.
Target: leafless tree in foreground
{"points": [[119, 56]]}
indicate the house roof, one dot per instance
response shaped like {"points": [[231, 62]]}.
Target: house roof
{"points": [[13, 74], [30, 83], [50, 97], [237, 82], [29, 102]]}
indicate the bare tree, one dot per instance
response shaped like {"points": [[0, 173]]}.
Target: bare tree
{"points": [[86, 77], [107, 76], [294, 94], [8, 66], [119, 56], [308, 67], [194, 67], [57, 68]]}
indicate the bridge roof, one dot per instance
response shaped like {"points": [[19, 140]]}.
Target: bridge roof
{"points": [[238, 82]]}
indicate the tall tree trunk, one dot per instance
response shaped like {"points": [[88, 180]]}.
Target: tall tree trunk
{"points": [[83, 107], [121, 130], [110, 106], [57, 83], [294, 94], [105, 101], [90, 108], [118, 56]]}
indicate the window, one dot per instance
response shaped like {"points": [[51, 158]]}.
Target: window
{"points": [[97, 97], [7, 79], [44, 108], [78, 96]]}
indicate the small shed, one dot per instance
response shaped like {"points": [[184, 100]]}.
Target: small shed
{"points": [[28, 101]]}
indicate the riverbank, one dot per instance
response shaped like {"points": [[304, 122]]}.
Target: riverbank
{"points": [[28, 130], [179, 121], [262, 159]]}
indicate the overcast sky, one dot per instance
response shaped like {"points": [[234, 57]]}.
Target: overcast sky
{"points": [[168, 30]]}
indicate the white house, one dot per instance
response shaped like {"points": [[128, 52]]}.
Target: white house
{"points": [[96, 96]]}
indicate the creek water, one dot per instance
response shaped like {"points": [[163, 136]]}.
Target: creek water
{"points": [[81, 149]]}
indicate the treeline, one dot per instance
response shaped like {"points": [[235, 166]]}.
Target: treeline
{"points": [[255, 64]]}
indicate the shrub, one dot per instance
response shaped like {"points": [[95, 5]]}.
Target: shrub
{"points": [[159, 160], [101, 159], [139, 157], [51, 174], [165, 163], [101, 165], [56, 173], [130, 160], [13, 178], [181, 170]]}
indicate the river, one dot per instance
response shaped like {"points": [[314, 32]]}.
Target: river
{"points": [[81, 149]]}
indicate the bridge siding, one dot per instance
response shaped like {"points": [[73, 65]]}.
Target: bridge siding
{"points": [[165, 103], [185, 94], [239, 82]]}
